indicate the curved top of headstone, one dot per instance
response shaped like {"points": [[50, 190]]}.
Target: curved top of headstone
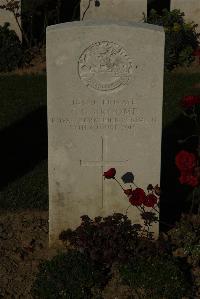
{"points": [[105, 23]]}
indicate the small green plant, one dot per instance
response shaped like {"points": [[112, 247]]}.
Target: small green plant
{"points": [[186, 235], [68, 275], [185, 244], [155, 277], [181, 38], [11, 52]]}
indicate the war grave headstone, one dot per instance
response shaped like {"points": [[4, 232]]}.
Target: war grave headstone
{"points": [[105, 92], [129, 10]]}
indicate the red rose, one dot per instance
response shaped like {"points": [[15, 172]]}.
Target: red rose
{"points": [[189, 180], [193, 181], [189, 101], [128, 192], [138, 196], [110, 174], [150, 200], [184, 178], [185, 161]]}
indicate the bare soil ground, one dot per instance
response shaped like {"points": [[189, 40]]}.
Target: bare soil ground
{"points": [[23, 245]]}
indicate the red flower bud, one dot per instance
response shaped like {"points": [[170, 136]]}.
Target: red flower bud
{"points": [[110, 174]]}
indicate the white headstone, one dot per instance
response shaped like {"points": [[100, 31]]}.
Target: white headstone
{"points": [[114, 10], [7, 16], [105, 92], [191, 8]]}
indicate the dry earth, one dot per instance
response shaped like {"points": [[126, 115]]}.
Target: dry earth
{"points": [[23, 245]]}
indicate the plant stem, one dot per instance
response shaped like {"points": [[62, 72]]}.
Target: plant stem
{"points": [[138, 208], [86, 9], [148, 228], [156, 210], [127, 209], [193, 199], [135, 185], [118, 183], [187, 138]]}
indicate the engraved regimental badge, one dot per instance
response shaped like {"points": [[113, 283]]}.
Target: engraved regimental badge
{"points": [[105, 66]]}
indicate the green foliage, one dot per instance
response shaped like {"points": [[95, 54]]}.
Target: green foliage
{"points": [[155, 277], [186, 235], [68, 275], [181, 38], [11, 52]]}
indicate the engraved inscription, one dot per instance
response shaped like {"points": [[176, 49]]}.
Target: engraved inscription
{"points": [[101, 114], [105, 66]]}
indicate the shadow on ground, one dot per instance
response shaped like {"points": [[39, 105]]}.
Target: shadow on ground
{"points": [[23, 146]]}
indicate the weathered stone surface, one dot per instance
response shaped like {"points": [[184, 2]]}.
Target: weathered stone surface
{"points": [[7, 16], [105, 90], [114, 10], [191, 9]]}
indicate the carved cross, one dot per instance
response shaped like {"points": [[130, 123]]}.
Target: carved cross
{"points": [[102, 163]]}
